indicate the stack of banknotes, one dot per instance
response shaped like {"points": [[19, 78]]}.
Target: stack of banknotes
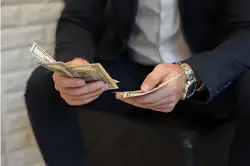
{"points": [[87, 72]]}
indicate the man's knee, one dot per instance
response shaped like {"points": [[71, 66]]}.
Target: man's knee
{"points": [[39, 89], [39, 82]]}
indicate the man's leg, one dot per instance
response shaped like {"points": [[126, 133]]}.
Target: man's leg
{"points": [[119, 134], [240, 150], [54, 123], [231, 105]]}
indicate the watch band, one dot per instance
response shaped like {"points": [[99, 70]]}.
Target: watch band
{"points": [[191, 83]]}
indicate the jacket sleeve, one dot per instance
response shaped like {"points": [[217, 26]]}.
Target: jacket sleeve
{"points": [[78, 29], [221, 66]]}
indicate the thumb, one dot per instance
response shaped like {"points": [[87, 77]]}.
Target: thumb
{"points": [[78, 61], [154, 78]]}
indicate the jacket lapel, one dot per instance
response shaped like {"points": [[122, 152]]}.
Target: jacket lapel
{"points": [[124, 14], [183, 13]]}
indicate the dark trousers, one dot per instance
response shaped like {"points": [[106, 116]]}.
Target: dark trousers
{"points": [[120, 134]]}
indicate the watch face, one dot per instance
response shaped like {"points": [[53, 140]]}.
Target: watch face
{"points": [[191, 90]]}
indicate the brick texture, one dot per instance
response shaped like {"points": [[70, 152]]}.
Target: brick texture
{"points": [[12, 102], [22, 37], [17, 140], [14, 86], [41, 13], [24, 157], [23, 22], [11, 16], [16, 60], [14, 122]]}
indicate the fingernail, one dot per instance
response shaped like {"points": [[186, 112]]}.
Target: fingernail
{"points": [[118, 96], [145, 87]]}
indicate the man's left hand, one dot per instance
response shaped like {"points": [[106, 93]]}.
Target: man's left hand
{"points": [[164, 99]]}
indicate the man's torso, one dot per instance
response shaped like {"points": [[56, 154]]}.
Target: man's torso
{"points": [[157, 36], [200, 23]]}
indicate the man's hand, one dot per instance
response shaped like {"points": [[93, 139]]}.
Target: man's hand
{"points": [[164, 99], [75, 91]]}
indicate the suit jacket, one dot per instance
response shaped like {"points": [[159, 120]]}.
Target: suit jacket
{"points": [[217, 32]]}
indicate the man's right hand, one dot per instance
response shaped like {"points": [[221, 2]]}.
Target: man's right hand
{"points": [[75, 91]]}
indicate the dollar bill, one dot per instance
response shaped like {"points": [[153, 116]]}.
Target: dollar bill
{"points": [[94, 72], [49, 62], [40, 54], [36, 56], [87, 72], [58, 67], [64, 67], [115, 81], [137, 93]]}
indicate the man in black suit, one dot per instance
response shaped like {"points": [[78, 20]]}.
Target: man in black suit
{"points": [[149, 42]]}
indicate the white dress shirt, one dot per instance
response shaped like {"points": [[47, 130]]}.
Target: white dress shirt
{"points": [[156, 36]]}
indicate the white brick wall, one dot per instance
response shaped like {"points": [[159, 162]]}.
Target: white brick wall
{"points": [[23, 22]]}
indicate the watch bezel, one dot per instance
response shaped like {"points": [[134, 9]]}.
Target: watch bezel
{"points": [[191, 90]]}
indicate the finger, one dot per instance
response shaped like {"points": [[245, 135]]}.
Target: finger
{"points": [[88, 88], [163, 101], [156, 96], [77, 61], [147, 101], [83, 97], [165, 110], [131, 101], [81, 102], [154, 78], [165, 106], [119, 95], [65, 82], [152, 98], [127, 100]]}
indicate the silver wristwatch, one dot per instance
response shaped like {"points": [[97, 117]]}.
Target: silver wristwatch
{"points": [[191, 82]]}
